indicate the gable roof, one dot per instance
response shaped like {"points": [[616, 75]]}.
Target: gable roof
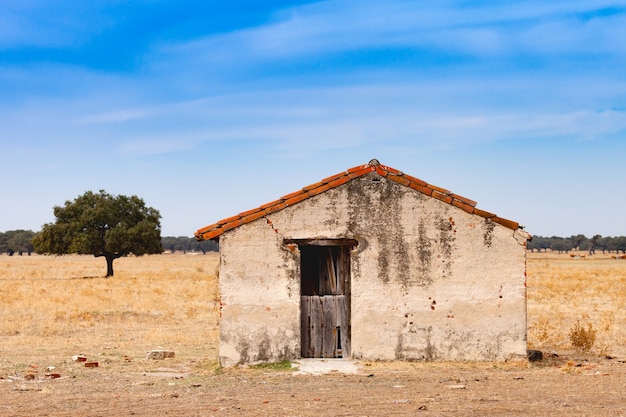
{"points": [[213, 231]]}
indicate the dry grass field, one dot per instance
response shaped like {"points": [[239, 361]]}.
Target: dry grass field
{"points": [[53, 308], [563, 290]]}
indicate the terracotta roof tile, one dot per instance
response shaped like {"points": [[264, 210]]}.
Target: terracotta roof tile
{"points": [[213, 231], [232, 225], [359, 168], [229, 219], [276, 207], [415, 180], [272, 203], [463, 199], [400, 179], [483, 213], [208, 235], [443, 197], [463, 206], [320, 189], [390, 170], [297, 198], [339, 181], [360, 172], [439, 189], [506, 223], [421, 188], [290, 195], [334, 177], [381, 172], [313, 186], [254, 216], [247, 213]]}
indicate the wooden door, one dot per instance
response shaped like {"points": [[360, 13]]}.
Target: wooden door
{"points": [[325, 301]]}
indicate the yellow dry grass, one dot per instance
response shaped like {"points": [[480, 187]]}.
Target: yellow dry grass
{"points": [[57, 307], [563, 290]]}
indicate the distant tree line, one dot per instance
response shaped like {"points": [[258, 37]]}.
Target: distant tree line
{"points": [[579, 243], [188, 244], [19, 242]]}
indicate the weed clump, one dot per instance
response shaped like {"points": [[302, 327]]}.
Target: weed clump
{"points": [[284, 365], [582, 338]]}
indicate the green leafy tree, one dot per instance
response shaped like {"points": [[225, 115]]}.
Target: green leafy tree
{"points": [[560, 244], [577, 241], [539, 243], [20, 241], [595, 244], [4, 243], [618, 244], [102, 225]]}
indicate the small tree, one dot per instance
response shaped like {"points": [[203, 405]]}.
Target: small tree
{"points": [[102, 225]]}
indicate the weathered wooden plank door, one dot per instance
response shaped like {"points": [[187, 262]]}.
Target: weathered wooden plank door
{"points": [[325, 326], [325, 301]]}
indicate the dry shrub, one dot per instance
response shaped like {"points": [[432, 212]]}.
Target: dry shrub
{"points": [[582, 338]]}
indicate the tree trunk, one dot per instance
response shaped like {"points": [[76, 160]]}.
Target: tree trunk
{"points": [[109, 259]]}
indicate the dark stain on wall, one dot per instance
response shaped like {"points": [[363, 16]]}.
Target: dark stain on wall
{"points": [[411, 353], [243, 348], [424, 254], [488, 227], [264, 352], [375, 207]]}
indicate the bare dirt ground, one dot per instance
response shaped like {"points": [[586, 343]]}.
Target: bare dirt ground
{"points": [[47, 318], [582, 387]]}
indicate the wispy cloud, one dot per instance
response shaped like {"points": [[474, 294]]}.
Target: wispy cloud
{"points": [[504, 28]]}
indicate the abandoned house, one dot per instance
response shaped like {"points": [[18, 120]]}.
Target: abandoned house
{"points": [[370, 264]]}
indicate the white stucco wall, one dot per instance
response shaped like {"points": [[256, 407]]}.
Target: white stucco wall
{"points": [[429, 281]]}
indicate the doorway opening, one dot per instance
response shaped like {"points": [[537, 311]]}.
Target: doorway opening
{"points": [[325, 297]]}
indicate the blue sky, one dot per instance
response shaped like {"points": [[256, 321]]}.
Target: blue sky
{"points": [[206, 109]]}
